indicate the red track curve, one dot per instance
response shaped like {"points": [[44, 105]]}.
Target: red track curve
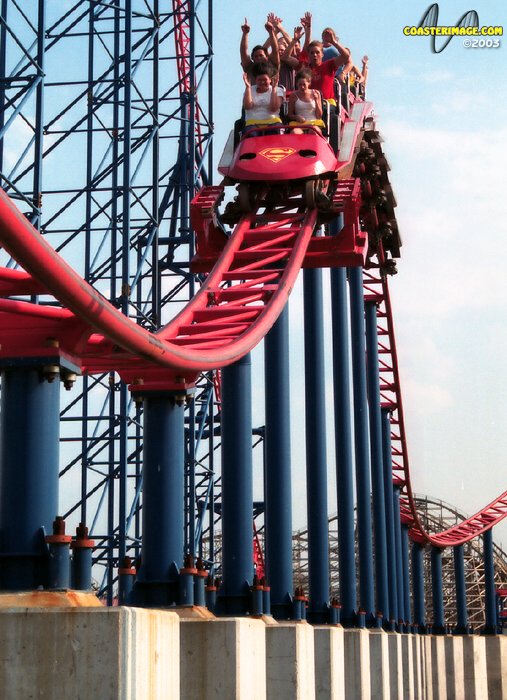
{"points": [[376, 288], [230, 314]]}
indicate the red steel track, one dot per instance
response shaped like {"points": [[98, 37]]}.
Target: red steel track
{"points": [[232, 311], [376, 289]]}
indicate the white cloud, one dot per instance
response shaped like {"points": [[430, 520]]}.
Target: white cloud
{"points": [[393, 72], [437, 76], [429, 395]]}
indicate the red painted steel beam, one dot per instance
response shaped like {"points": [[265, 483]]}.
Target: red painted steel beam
{"points": [[140, 347], [376, 288], [18, 283]]}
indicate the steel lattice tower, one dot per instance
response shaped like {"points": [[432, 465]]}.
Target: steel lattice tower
{"points": [[104, 143]]}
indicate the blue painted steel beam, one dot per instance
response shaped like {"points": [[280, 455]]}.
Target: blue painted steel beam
{"points": [[125, 262], [127, 164], [122, 429], [438, 626], [460, 586], [190, 438], [155, 168], [29, 429], [87, 243], [316, 456], [407, 613], [34, 85], [237, 489], [81, 566], [3, 51], [418, 587], [389, 508], [399, 558], [362, 446], [211, 501], [377, 462], [277, 468], [163, 501], [39, 107], [490, 626], [343, 446]]}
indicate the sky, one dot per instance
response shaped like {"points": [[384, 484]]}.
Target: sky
{"points": [[442, 117]]}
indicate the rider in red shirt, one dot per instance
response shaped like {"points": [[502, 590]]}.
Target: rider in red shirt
{"points": [[323, 72]]}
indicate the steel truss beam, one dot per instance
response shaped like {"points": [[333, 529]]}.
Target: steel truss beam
{"points": [[103, 145]]}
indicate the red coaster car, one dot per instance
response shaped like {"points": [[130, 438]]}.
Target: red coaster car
{"points": [[276, 154]]}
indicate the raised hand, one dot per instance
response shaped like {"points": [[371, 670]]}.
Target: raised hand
{"points": [[298, 33], [245, 28], [306, 19], [274, 20], [329, 35]]}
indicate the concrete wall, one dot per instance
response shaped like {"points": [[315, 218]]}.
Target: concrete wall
{"points": [[134, 654], [85, 653], [223, 658]]}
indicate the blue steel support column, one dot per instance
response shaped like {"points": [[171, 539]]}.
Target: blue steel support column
{"points": [[438, 626], [127, 165], [125, 267], [418, 586], [3, 49], [489, 583], [122, 473], [316, 458], [461, 596], [29, 433], [237, 489], [277, 470], [406, 575], [190, 543], [343, 446], [399, 558], [377, 463], [39, 114], [390, 527], [163, 502], [362, 448]]}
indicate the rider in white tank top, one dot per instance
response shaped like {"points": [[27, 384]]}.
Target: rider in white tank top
{"points": [[305, 109], [305, 104]]}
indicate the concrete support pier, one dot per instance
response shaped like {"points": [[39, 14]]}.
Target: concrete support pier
{"points": [[496, 660], [357, 664], [290, 661], [329, 663], [454, 667], [395, 666], [223, 658], [379, 665], [475, 668], [106, 653], [407, 664], [125, 653]]}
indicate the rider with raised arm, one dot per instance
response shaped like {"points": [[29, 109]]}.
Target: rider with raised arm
{"points": [[258, 54], [306, 23], [323, 72], [286, 72], [281, 34]]}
